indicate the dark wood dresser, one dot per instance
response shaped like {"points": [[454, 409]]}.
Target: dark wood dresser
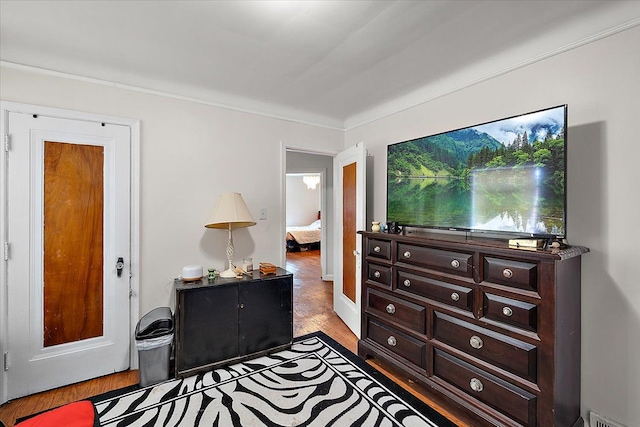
{"points": [[228, 320], [489, 330]]}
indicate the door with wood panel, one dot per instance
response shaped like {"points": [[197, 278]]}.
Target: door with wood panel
{"points": [[68, 214], [350, 217]]}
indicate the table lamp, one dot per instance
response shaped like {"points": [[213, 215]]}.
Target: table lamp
{"points": [[230, 213]]}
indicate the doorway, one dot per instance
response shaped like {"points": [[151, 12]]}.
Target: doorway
{"points": [[301, 164], [303, 215]]}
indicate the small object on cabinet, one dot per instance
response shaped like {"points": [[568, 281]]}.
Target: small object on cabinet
{"points": [[191, 273], [267, 268], [240, 272], [526, 243]]}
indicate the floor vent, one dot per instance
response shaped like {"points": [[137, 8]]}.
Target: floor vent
{"points": [[597, 420]]}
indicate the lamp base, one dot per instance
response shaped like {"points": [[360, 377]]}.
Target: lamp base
{"points": [[228, 273]]}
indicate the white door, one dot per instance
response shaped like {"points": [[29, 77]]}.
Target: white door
{"points": [[68, 215], [350, 217]]}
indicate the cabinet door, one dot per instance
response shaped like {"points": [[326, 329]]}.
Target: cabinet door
{"points": [[208, 326], [266, 316]]}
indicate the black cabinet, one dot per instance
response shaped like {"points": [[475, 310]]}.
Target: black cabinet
{"points": [[227, 320]]}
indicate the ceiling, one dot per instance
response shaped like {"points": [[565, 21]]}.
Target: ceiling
{"points": [[333, 63]]}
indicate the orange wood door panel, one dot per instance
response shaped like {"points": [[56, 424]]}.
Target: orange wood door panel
{"points": [[73, 242], [349, 231]]}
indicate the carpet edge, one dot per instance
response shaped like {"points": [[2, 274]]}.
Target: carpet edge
{"points": [[381, 377]]}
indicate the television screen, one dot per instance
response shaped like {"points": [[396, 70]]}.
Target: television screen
{"points": [[505, 176]]}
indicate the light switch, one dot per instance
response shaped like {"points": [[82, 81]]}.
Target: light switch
{"points": [[263, 213]]}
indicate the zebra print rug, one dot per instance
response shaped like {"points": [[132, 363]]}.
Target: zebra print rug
{"points": [[317, 382]]}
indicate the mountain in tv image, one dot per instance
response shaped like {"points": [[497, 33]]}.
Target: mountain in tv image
{"points": [[507, 175]]}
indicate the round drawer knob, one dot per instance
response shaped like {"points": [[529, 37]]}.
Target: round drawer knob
{"points": [[455, 263], [476, 342], [407, 282], [455, 296], [407, 254], [507, 273], [476, 385], [376, 249], [391, 309], [392, 341], [507, 311], [376, 274]]}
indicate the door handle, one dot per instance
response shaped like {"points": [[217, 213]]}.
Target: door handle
{"points": [[356, 253], [119, 266]]}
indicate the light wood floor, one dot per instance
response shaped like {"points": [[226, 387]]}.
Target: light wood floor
{"points": [[312, 311]]}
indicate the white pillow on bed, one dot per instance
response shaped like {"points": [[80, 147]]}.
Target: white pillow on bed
{"points": [[316, 224]]}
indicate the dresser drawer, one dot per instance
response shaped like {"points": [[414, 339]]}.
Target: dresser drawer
{"points": [[513, 401], [399, 343], [379, 274], [448, 261], [517, 274], [454, 295], [411, 315], [378, 249], [513, 312], [500, 350]]}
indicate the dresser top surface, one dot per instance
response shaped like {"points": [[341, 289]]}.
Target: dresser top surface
{"points": [[477, 244]]}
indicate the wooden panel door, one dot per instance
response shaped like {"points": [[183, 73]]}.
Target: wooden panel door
{"points": [[350, 193], [68, 214]]}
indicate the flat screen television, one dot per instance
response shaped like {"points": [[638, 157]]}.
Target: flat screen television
{"points": [[505, 176]]}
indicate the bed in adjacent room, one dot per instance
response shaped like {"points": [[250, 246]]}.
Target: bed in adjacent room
{"points": [[304, 237]]}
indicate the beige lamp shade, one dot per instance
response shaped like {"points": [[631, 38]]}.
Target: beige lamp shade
{"points": [[230, 213]]}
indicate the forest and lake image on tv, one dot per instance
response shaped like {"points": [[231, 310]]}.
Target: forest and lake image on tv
{"points": [[505, 176]]}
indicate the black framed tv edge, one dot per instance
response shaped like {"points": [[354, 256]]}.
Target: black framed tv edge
{"points": [[504, 177]]}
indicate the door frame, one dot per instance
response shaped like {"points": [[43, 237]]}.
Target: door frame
{"points": [[327, 276], [134, 281]]}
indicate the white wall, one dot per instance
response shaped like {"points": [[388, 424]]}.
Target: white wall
{"points": [[303, 203], [601, 84], [190, 153]]}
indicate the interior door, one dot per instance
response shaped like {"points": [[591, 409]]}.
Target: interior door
{"points": [[350, 201], [68, 215]]}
